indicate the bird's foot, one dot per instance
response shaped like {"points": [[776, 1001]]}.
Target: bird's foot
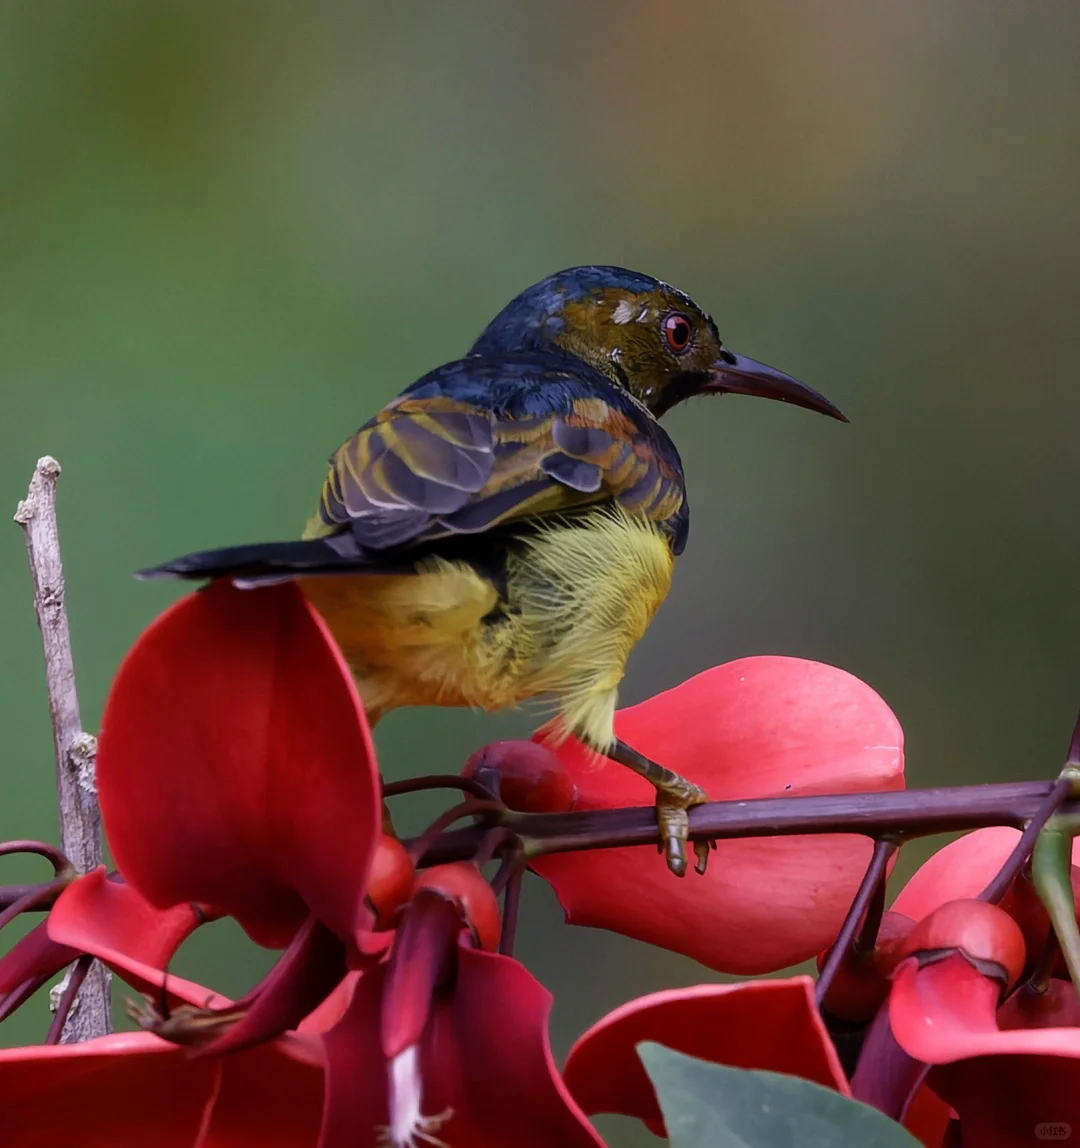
{"points": [[673, 800], [674, 796]]}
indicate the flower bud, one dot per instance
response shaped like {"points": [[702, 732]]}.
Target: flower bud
{"points": [[532, 779], [390, 884], [985, 934], [464, 884]]}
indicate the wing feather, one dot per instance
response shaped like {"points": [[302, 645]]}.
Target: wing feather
{"points": [[432, 465]]}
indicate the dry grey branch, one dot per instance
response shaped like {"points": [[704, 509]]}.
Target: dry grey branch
{"points": [[80, 818]]}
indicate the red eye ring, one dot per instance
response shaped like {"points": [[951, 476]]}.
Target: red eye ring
{"points": [[678, 332]]}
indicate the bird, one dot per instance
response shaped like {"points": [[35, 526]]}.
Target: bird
{"points": [[506, 527]]}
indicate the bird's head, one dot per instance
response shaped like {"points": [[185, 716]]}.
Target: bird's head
{"points": [[644, 335]]}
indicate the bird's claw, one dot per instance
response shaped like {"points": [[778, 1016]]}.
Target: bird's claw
{"points": [[672, 804]]}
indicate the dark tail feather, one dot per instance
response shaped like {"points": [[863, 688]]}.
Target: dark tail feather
{"points": [[265, 562]]}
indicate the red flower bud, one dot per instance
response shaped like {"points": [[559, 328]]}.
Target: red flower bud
{"points": [[982, 932], [465, 885], [391, 880], [532, 779]]}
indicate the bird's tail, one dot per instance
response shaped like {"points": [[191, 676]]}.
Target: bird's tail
{"points": [[265, 562]]}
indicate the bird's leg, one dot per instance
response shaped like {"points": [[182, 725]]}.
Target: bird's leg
{"points": [[674, 796]]}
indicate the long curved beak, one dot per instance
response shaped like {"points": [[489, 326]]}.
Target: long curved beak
{"points": [[738, 375]]}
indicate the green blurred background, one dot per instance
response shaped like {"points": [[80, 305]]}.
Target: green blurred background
{"points": [[230, 231]]}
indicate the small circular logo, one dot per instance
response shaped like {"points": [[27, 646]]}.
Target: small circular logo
{"points": [[1052, 1131]]}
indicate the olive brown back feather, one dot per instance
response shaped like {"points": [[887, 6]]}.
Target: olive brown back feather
{"points": [[466, 449]]}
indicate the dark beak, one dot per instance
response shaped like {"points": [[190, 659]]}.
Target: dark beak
{"points": [[738, 375]]}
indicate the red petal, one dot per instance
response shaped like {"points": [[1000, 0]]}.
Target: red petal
{"points": [[946, 1011], [123, 1091], [773, 1025], [485, 1054], [960, 870], [235, 765], [102, 916], [133, 1089], [111, 920], [329, 1013], [758, 727], [267, 1099]]}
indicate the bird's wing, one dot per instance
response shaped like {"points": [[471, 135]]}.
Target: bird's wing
{"points": [[431, 466]]}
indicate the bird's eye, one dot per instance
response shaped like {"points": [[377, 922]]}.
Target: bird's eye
{"points": [[677, 333]]}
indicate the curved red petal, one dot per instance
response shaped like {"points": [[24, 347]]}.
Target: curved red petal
{"points": [[947, 1011], [758, 727], [266, 1099], [355, 1100], [513, 1093], [98, 915], [958, 871], [112, 921], [772, 1025], [484, 1055], [123, 1091], [323, 1018], [235, 765]]}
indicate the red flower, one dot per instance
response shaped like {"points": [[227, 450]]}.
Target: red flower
{"points": [[236, 769], [135, 1088], [1010, 1071], [147, 934], [759, 727], [447, 1043]]}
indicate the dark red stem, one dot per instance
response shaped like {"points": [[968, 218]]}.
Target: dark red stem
{"points": [[419, 847], [901, 815], [873, 880], [9, 894], [71, 991], [1053, 801], [438, 781], [60, 863], [511, 902], [1073, 756], [20, 995], [36, 898]]}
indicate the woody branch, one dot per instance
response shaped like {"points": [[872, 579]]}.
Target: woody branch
{"points": [[75, 750]]}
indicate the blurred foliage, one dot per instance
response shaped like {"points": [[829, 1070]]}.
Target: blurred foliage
{"points": [[230, 231]]}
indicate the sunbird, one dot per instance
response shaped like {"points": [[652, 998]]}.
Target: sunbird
{"points": [[506, 527]]}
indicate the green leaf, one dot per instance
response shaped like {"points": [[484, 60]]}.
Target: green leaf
{"points": [[713, 1106]]}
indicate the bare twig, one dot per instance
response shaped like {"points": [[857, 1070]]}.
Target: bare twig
{"points": [[80, 818]]}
